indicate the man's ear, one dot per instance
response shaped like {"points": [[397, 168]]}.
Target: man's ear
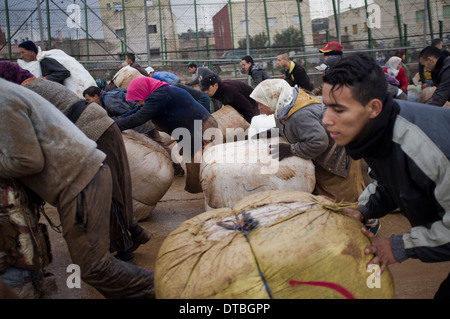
{"points": [[375, 108]]}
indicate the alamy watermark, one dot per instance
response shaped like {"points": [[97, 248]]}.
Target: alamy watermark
{"points": [[252, 150], [74, 279], [373, 16], [74, 18], [374, 279]]}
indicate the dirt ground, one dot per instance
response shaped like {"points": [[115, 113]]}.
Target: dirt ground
{"points": [[413, 278]]}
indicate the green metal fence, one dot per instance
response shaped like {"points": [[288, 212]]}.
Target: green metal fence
{"points": [[167, 34]]}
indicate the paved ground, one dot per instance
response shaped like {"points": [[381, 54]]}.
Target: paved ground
{"points": [[413, 279]]}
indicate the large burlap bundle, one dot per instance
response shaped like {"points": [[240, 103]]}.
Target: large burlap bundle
{"points": [[231, 123], [231, 171], [79, 79], [125, 75], [151, 172], [298, 249]]}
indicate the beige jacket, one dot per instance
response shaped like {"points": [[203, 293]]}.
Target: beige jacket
{"points": [[94, 120]]}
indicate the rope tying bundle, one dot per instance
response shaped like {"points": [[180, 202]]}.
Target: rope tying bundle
{"points": [[245, 225]]}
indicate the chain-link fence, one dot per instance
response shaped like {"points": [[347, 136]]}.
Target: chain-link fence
{"points": [[167, 34]]}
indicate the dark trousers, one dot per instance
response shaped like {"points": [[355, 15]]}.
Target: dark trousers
{"points": [[122, 218], [85, 223], [444, 289]]}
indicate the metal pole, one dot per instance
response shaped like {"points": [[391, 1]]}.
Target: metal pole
{"points": [[267, 24], [146, 33], [8, 31], [41, 29], [369, 31], [231, 23], [208, 53], [232, 35], [399, 23], [161, 32], [339, 20], [336, 21], [196, 29], [77, 43], [87, 33], [124, 28], [249, 79], [165, 58], [425, 6], [268, 33], [405, 28], [300, 21], [49, 35], [430, 19]]}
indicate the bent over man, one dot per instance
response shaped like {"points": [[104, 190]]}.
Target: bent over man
{"points": [[47, 153]]}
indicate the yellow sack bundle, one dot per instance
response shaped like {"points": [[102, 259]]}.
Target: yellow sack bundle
{"points": [[277, 244]]}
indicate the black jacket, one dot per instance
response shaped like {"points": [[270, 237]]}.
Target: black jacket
{"points": [[299, 77], [237, 94], [53, 70], [441, 78]]}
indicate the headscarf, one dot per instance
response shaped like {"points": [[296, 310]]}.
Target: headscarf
{"points": [[275, 94], [12, 72], [140, 88], [392, 65], [281, 98]]}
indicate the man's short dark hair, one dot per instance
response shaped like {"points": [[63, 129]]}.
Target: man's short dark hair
{"points": [[192, 65], [430, 51], [283, 53], [209, 80], [92, 91], [436, 41], [361, 74], [131, 56], [248, 59]]}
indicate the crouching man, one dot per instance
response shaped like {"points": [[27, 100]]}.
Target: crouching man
{"points": [[47, 153]]}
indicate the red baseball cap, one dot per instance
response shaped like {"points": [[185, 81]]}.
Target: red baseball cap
{"points": [[331, 46]]}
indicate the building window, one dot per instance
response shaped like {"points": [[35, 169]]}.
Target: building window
{"points": [[272, 22], [346, 29], [355, 29], [119, 33], [242, 24], [295, 20], [446, 12], [419, 16], [152, 28], [396, 21]]}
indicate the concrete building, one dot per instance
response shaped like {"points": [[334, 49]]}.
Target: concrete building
{"points": [[230, 24], [128, 24], [385, 33]]}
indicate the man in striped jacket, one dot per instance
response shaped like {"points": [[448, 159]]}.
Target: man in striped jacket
{"points": [[407, 148]]}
